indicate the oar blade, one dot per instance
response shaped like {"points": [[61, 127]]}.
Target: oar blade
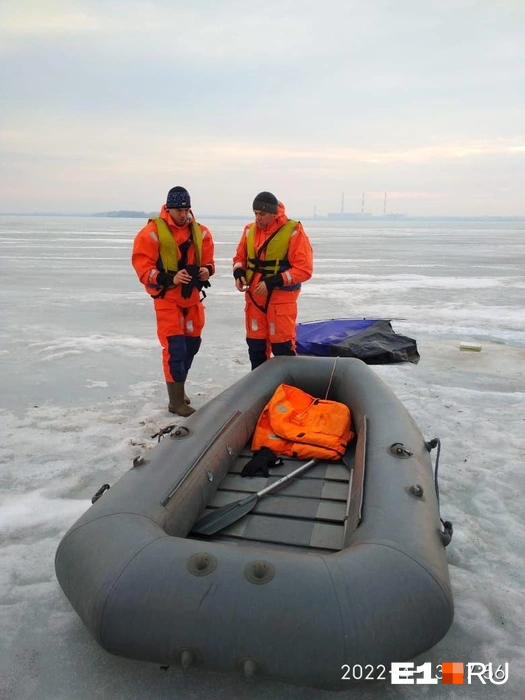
{"points": [[222, 517]]}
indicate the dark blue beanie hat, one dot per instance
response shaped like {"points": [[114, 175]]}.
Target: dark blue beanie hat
{"points": [[266, 201], [178, 198]]}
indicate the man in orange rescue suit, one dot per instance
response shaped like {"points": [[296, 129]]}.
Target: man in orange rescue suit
{"points": [[273, 258], [173, 258]]}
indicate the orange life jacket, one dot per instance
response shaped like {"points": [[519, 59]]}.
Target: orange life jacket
{"points": [[296, 424]]}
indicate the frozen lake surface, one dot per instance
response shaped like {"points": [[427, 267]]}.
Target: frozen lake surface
{"points": [[82, 393]]}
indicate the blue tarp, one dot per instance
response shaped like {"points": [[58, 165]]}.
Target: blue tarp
{"points": [[372, 340]]}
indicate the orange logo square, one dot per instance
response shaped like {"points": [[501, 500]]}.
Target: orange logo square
{"points": [[452, 672]]}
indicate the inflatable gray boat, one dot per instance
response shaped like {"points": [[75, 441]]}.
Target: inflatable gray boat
{"points": [[344, 566]]}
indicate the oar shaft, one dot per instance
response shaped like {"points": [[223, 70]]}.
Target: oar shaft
{"points": [[286, 478], [218, 519]]}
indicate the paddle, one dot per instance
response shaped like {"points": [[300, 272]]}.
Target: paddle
{"points": [[222, 517]]}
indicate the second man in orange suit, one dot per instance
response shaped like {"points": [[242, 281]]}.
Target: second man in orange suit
{"points": [[273, 258], [173, 257]]}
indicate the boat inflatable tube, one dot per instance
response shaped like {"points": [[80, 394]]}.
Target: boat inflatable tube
{"points": [[147, 589]]}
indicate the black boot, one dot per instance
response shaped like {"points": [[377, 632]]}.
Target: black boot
{"points": [[177, 404]]}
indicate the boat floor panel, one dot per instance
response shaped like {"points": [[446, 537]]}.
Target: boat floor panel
{"points": [[303, 486], [325, 470], [287, 531], [308, 513], [287, 506]]}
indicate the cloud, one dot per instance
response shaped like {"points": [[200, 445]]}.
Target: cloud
{"points": [[30, 18], [311, 96]]}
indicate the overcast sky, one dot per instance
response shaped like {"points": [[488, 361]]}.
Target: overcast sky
{"points": [[106, 104]]}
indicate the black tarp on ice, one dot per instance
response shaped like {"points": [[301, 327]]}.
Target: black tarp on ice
{"points": [[371, 340]]}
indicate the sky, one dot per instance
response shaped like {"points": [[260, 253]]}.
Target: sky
{"points": [[107, 104]]}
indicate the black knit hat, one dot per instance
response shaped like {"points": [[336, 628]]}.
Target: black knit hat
{"points": [[178, 198], [265, 201]]}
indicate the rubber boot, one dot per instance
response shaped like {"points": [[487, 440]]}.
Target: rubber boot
{"points": [[186, 398], [176, 396]]}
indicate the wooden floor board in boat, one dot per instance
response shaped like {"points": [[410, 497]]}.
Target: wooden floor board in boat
{"points": [[300, 487], [271, 545], [287, 531], [325, 470], [308, 513], [281, 505]]}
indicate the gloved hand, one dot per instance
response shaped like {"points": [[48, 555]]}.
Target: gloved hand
{"points": [[165, 279], [188, 288], [261, 461], [273, 281]]}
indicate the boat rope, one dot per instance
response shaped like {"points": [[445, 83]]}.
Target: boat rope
{"points": [[448, 530], [164, 431], [331, 377]]}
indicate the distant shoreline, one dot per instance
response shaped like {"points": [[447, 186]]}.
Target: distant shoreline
{"points": [[330, 218]]}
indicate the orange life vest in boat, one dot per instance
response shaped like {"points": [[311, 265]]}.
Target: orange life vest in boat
{"points": [[296, 424]]}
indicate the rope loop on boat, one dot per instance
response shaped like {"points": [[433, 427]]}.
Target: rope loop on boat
{"points": [[164, 431], [99, 493], [448, 530], [175, 431]]}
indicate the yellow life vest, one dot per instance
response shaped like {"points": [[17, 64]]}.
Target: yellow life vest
{"points": [[276, 249], [168, 248]]}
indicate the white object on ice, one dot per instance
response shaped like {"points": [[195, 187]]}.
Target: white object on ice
{"points": [[473, 347]]}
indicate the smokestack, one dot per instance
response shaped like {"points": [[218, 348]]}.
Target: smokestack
{"points": [[342, 203], [384, 206], [363, 203]]}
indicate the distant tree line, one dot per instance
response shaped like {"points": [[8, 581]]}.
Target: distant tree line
{"points": [[126, 214]]}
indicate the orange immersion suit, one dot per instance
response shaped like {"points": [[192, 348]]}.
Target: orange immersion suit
{"points": [[271, 318], [179, 311]]}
